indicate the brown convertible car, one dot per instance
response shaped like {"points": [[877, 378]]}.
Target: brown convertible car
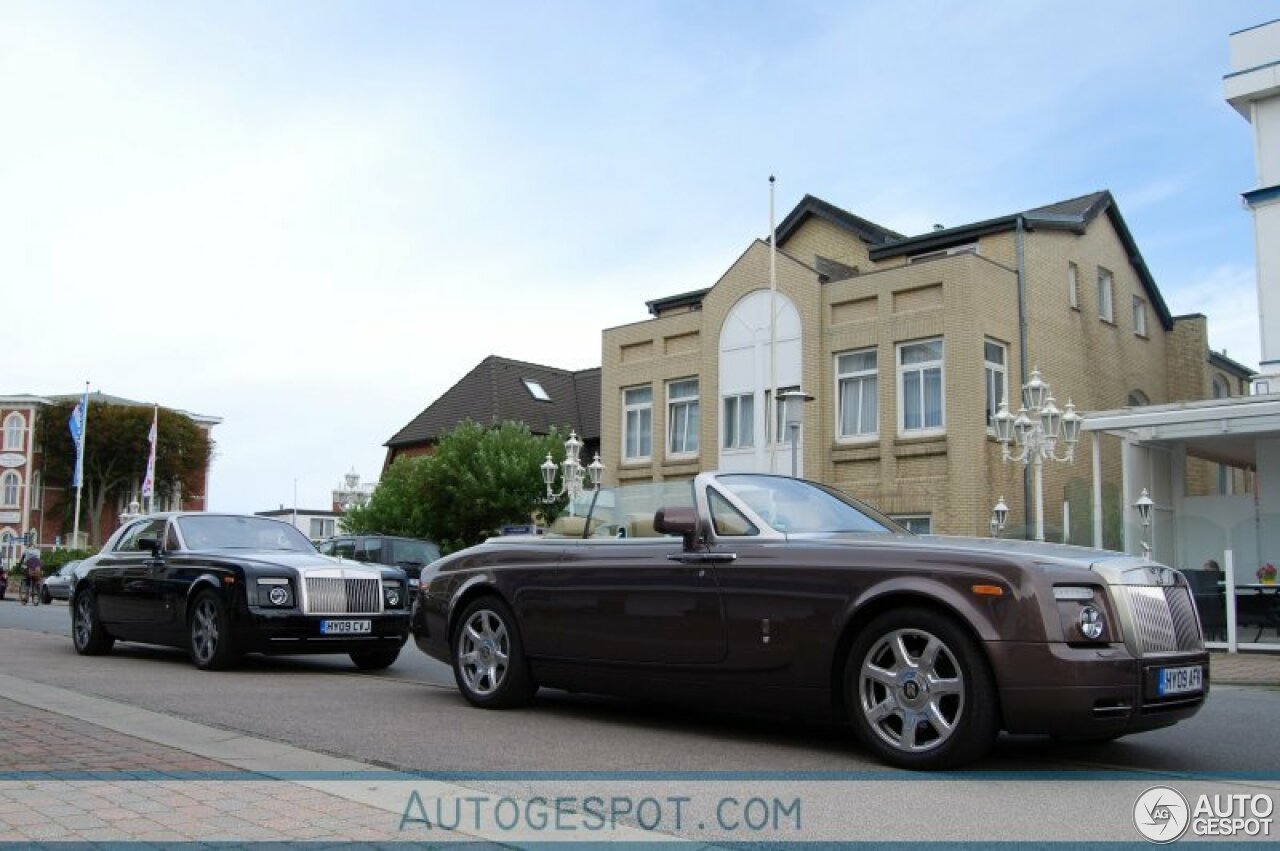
{"points": [[767, 593]]}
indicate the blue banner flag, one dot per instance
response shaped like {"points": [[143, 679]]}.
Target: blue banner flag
{"points": [[76, 423]]}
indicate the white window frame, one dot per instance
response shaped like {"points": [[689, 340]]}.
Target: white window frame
{"points": [[11, 489], [907, 519], [1073, 286], [536, 389], [639, 410], [735, 441], [14, 425], [1106, 296], [858, 378], [922, 368], [37, 484], [692, 419], [991, 372], [1139, 316]]}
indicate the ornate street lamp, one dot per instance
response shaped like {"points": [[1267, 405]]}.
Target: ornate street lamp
{"points": [[573, 474], [1144, 506], [1034, 434], [793, 416], [998, 515]]}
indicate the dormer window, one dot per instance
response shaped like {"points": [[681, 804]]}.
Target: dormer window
{"points": [[535, 390]]}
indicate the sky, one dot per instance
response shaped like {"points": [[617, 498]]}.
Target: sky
{"points": [[311, 218]]}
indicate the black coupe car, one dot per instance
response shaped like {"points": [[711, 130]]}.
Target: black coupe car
{"points": [[222, 585]]}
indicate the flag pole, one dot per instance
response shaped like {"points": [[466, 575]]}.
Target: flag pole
{"points": [[84, 421], [771, 396]]}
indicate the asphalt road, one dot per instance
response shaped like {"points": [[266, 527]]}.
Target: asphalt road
{"points": [[411, 717]]}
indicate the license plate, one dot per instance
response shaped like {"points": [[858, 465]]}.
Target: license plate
{"points": [[1179, 680], [345, 627]]}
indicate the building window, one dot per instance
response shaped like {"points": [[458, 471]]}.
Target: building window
{"points": [[1137, 399], [739, 421], [1073, 286], [535, 390], [637, 423], [35, 491], [1139, 317], [997, 380], [857, 411], [916, 524], [682, 417], [321, 527], [920, 398], [14, 425], [10, 488], [1106, 305]]}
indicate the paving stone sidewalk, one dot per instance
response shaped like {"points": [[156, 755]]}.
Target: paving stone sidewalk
{"points": [[1245, 668], [156, 806]]}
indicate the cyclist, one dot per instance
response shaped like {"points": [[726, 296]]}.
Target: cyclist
{"points": [[33, 570]]}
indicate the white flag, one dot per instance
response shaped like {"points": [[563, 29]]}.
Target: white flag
{"points": [[149, 483]]}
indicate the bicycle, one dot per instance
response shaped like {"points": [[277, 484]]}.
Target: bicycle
{"points": [[29, 591]]}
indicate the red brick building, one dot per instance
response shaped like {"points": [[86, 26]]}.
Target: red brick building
{"points": [[28, 499]]}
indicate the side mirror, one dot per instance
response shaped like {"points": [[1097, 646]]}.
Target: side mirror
{"points": [[151, 545], [678, 520]]}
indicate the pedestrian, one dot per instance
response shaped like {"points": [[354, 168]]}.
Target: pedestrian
{"points": [[33, 571]]}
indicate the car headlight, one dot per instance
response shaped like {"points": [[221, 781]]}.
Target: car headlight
{"points": [[393, 595], [1085, 616], [275, 592]]}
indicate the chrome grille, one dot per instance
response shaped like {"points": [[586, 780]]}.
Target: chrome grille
{"points": [[332, 595], [1164, 618], [1186, 625]]}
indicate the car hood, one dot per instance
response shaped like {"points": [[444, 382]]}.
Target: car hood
{"points": [[305, 562], [1038, 553]]}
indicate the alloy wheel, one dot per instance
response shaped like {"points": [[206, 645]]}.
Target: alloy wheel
{"points": [[911, 690], [484, 652], [83, 622], [204, 630]]}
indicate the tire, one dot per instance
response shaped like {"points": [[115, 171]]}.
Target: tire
{"points": [[45, 596], [24, 593], [488, 656], [919, 693], [209, 641], [88, 634], [375, 660]]}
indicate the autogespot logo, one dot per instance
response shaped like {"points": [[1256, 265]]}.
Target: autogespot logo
{"points": [[1161, 814]]}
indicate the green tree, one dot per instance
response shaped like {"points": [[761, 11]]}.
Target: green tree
{"points": [[115, 454], [478, 480]]}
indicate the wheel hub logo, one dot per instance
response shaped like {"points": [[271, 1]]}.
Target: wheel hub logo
{"points": [[1161, 814]]}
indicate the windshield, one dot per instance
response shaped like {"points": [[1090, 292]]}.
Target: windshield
{"points": [[413, 552], [796, 506], [223, 532]]}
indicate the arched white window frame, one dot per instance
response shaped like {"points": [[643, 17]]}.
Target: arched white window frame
{"points": [[10, 489], [1221, 388], [14, 426]]}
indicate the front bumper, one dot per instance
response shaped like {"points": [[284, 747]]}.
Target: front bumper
{"points": [[1088, 692], [291, 632]]}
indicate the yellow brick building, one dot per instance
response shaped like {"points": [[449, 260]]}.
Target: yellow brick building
{"points": [[907, 344]]}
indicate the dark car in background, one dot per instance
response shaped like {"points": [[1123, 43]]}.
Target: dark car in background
{"points": [[408, 554], [221, 585], [772, 594]]}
